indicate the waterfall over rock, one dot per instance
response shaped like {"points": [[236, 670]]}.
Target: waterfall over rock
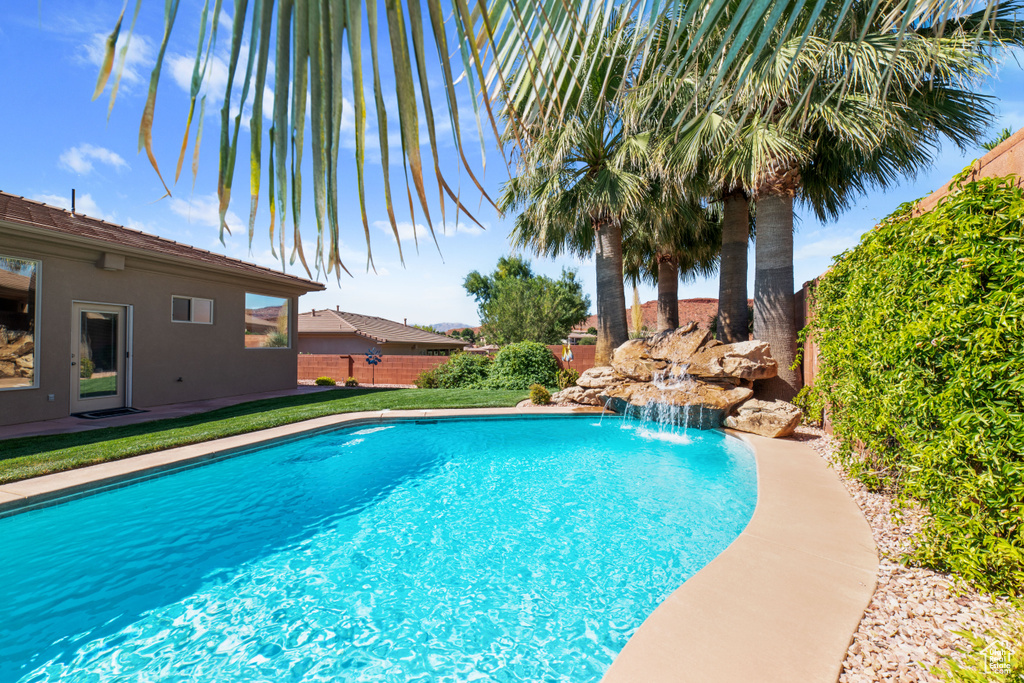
{"points": [[685, 377]]}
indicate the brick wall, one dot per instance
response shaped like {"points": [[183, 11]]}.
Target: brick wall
{"points": [[390, 370], [405, 369], [583, 356], [1007, 158]]}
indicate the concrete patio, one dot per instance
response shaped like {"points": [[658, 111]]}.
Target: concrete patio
{"points": [[67, 425]]}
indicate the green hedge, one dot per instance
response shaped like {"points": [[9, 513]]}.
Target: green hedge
{"points": [[921, 335]]}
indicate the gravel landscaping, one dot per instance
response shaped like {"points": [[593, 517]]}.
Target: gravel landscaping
{"points": [[910, 625]]}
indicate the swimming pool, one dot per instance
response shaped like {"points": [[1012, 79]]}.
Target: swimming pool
{"points": [[476, 549]]}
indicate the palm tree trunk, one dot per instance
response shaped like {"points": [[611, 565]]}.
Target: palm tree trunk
{"points": [[611, 296], [774, 304], [668, 292], [733, 324]]}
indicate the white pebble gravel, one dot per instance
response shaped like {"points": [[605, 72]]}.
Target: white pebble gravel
{"points": [[908, 628]]}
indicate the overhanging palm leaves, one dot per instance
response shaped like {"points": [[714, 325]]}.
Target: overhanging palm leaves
{"points": [[520, 48]]}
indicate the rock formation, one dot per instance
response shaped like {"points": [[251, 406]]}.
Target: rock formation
{"points": [[768, 418], [684, 376]]}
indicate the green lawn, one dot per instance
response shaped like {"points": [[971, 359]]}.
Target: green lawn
{"points": [[36, 455]]}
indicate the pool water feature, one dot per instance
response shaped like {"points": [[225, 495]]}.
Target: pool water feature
{"points": [[474, 549]]}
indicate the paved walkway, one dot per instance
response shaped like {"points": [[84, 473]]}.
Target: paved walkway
{"points": [[66, 425]]}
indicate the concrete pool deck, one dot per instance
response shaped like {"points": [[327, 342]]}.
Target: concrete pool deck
{"points": [[779, 604]]}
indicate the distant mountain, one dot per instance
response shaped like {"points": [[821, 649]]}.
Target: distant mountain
{"points": [[444, 327]]}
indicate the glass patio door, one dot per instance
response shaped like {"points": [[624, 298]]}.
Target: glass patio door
{"points": [[98, 357]]}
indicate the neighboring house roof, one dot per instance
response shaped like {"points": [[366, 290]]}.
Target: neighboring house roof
{"points": [[18, 285], [21, 211], [700, 311], [378, 329], [252, 323]]}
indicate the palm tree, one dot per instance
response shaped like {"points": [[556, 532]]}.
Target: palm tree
{"points": [[672, 238], [881, 132], [795, 137], [575, 182], [523, 48]]}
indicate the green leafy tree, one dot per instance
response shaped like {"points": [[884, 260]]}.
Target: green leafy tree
{"points": [[516, 305]]}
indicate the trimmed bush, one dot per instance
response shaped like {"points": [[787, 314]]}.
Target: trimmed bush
{"points": [[921, 335], [86, 368], [324, 382], [566, 378], [539, 395], [517, 366], [463, 371], [351, 382]]}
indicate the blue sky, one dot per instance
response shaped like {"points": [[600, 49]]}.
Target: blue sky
{"points": [[56, 138]]}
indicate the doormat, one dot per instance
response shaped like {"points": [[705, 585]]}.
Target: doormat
{"points": [[112, 412]]}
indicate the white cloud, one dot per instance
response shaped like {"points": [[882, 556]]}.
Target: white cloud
{"points": [[465, 227], [205, 210], [825, 248], [79, 159], [422, 232], [406, 231], [84, 204], [138, 61]]}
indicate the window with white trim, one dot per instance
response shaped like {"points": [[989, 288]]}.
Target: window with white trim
{"points": [[19, 306], [190, 309]]}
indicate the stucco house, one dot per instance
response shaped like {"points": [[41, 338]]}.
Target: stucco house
{"points": [[96, 317], [341, 333]]}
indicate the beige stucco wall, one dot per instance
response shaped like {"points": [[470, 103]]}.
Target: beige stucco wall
{"points": [[210, 359], [343, 344]]}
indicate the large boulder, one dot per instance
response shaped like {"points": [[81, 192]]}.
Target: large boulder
{"points": [[679, 345], [747, 360], [631, 360], [599, 377], [581, 395], [773, 419]]}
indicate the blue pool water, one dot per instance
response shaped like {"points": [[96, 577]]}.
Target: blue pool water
{"points": [[468, 550]]}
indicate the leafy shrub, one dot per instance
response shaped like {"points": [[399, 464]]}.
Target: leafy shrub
{"points": [[921, 335], [517, 366], [351, 382], [588, 341], [427, 379], [566, 378], [86, 368], [463, 371], [539, 395], [809, 400], [276, 339], [592, 330], [325, 382]]}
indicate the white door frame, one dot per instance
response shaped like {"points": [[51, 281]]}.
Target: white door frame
{"points": [[127, 313]]}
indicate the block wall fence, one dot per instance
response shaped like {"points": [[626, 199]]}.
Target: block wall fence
{"points": [[405, 369]]}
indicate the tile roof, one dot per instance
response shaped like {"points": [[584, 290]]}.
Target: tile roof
{"points": [[378, 329], [18, 210]]}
